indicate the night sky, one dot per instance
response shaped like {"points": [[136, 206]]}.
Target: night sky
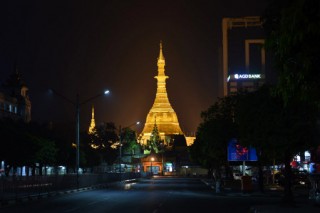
{"points": [[84, 47]]}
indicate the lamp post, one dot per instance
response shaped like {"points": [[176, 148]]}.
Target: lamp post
{"points": [[152, 159], [120, 143], [77, 104]]}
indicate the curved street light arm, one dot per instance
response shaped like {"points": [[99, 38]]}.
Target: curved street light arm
{"points": [[94, 97], [62, 96]]}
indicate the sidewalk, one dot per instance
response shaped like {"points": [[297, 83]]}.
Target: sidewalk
{"points": [[303, 204]]}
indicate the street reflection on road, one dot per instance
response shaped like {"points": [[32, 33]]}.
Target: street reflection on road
{"points": [[127, 186]]}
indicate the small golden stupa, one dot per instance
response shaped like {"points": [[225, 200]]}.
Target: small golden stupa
{"points": [[92, 123]]}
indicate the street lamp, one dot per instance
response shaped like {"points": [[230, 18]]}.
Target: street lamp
{"points": [[152, 159], [120, 143], [77, 104]]}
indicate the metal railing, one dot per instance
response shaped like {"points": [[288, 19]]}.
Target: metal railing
{"points": [[18, 187]]}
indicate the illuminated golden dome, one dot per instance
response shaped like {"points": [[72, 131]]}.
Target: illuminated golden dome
{"points": [[161, 112]]}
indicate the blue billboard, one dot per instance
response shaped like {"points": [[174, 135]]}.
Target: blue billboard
{"points": [[236, 152]]}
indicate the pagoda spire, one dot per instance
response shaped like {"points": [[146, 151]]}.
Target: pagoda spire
{"points": [[161, 113], [161, 59], [93, 122], [161, 95]]}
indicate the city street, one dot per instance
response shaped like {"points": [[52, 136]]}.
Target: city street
{"points": [[159, 194], [87, 125]]}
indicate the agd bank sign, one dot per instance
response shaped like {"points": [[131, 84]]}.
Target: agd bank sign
{"points": [[247, 76]]}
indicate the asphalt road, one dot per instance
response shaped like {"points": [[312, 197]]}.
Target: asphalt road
{"points": [[159, 194]]}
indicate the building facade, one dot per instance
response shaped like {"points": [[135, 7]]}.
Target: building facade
{"points": [[14, 99], [246, 82], [245, 69]]}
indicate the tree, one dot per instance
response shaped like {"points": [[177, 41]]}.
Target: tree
{"points": [[277, 132], [90, 155], [15, 151], [213, 134], [293, 31], [45, 151], [129, 140], [103, 142], [257, 114], [25, 145], [154, 144]]}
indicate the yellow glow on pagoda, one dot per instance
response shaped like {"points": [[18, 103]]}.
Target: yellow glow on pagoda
{"points": [[93, 122], [161, 112], [92, 129]]}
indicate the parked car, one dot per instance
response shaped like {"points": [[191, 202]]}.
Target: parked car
{"points": [[237, 176], [298, 178]]}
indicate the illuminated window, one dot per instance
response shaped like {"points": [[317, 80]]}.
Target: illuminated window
{"points": [[10, 108]]}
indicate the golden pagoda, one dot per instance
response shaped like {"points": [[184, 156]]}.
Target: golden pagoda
{"points": [[93, 123], [161, 113]]}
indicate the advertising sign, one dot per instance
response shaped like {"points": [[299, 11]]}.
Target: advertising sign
{"points": [[247, 76], [236, 152], [239, 77]]}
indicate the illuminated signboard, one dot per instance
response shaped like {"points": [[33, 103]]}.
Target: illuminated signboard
{"points": [[236, 152], [247, 76]]}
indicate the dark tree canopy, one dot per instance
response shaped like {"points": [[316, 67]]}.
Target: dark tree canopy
{"points": [[102, 143], [214, 133], [25, 144], [271, 128], [293, 31]]}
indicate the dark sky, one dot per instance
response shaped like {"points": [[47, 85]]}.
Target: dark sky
{"points": [[83, 47]]}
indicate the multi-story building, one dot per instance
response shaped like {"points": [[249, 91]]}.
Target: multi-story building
{"points": [[243, 54], [14, 99], [247, 82]]}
